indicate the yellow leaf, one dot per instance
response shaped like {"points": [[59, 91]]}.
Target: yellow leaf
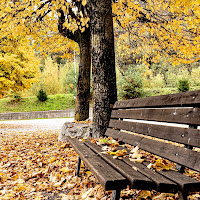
{"points": [[65, 169], [84, 2], [8, 196], [52, 159], [88, 172]]}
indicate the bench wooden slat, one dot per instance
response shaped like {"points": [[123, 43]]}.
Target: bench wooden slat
{"points": [[176, 154], [187, 136], [109, 178], [135, 178], [185, 183], [161, 183], [179, 99], [174, 115]]}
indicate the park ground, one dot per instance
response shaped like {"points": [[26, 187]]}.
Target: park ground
{"points": [[35, 165]]}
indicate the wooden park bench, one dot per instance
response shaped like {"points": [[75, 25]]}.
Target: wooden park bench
{"points": [[141, 116]]}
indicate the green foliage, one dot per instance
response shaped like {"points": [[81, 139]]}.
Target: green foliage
{"points": [[69, 78], [159, 91], [157, 81], [131, 85], [42, 96], [54, 102], [195, 77], [183, 85], [55, 78]]}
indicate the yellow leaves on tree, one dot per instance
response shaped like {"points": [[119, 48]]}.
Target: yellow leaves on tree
{"points": [[159, 28], [38, 21], [19, 66]]}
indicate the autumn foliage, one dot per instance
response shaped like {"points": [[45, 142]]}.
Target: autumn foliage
{"points": [[148, 30], [19, 66]]}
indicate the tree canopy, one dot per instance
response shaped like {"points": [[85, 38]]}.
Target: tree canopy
{"points": [[148, 30], [155, 28]]}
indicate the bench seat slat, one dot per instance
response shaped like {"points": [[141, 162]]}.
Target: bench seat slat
{"points": [[176, 154], [187, 136], [173, 115], [109, 178], [160, 183], [135, 178], [185, 183], [179, 99]]}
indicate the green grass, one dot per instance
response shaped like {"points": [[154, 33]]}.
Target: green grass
{"points": [[162, 91], [54, 102]]}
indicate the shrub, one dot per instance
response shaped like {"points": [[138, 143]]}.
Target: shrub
{"points": [[183, 85], [131, 85], [157, 81], [17, 97], [42, 96]]}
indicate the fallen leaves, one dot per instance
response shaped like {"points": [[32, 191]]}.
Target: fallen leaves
{"points": [[34, 165], [34, 162], [162, 164]]}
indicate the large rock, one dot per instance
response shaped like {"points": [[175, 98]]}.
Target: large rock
{"points": [[75, 130]]}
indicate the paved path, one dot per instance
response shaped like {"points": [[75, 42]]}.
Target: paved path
{"points": [[33, 125]]}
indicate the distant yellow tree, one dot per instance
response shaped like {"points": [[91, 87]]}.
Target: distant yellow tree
{"points": [[19, 66]]}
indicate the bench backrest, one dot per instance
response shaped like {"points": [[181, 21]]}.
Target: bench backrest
{"points": [[172, 122]]}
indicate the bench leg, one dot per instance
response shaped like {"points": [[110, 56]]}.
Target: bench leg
{"points": [[182, 196], [115, 194], [78, 166]]}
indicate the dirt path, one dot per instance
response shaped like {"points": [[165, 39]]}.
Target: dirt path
{"points": [[33, 125]]}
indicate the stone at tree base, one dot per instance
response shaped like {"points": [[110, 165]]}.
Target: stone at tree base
{"points": [[75, 130]]}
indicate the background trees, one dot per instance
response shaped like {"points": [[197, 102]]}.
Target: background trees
{"points": [[18, 63], [155, 34]]}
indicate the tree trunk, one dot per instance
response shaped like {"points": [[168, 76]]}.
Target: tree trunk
{"points": [[83, 84], [103, 64]]}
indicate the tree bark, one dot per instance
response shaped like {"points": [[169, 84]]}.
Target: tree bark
{"points": [[83, 84], [103, 64]]}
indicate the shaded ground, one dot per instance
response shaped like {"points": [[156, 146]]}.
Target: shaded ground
{"points": [[34, 165]]}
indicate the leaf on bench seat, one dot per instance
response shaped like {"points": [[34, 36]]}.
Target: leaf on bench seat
{"points": [[162, 164], [106, 141], [135, 155], [120, 153], [106, 148]]}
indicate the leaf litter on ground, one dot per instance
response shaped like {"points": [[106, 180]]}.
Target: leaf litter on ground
{"points": [[34, 165]]}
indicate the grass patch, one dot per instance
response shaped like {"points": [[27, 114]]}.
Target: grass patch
{"points": [[54, 102], [163, 91]]}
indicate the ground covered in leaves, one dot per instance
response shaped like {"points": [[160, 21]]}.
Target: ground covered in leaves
{"points": [[34, 165]]}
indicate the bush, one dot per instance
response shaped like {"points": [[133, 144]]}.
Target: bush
{"points": [[183, 85], [42, 96], [131, 85]]}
